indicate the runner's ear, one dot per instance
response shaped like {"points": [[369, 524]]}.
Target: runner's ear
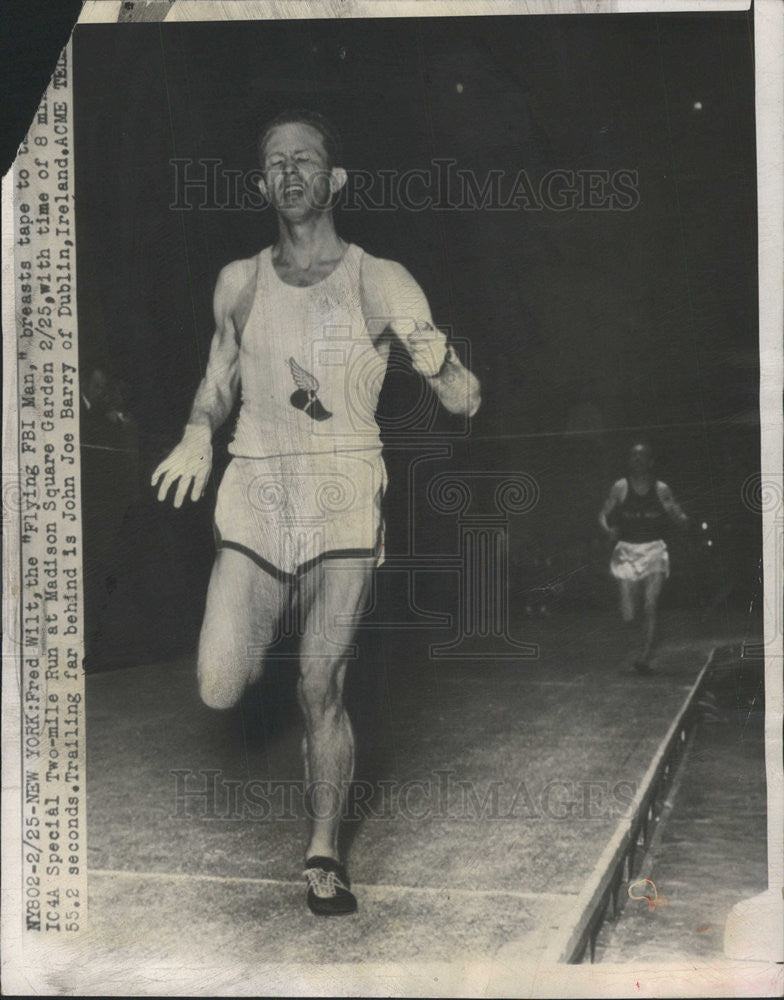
{"points": [[337, 179], [263, 188]]}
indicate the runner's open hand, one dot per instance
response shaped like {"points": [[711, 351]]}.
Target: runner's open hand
{"points": [[190, 463]]}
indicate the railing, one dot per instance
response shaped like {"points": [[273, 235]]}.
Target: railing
{"points": [[602, 895]]}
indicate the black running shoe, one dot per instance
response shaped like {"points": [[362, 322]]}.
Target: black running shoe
{"points": [[329, 889]]}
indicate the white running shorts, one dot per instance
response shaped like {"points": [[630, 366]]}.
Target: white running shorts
{"points": [[289, 512], [632, 561]]}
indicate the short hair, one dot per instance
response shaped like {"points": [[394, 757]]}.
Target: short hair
{"points": [[300, 116]]}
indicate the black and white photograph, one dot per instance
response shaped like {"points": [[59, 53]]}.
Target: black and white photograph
{"points": [[417, 478]]}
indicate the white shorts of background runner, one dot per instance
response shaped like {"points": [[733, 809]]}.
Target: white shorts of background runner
{"points": [[632, 561]]}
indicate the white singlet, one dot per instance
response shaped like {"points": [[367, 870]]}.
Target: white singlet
{"points": [[307, 477], [309, 373]]}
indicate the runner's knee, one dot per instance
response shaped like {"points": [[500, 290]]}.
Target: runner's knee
{"points": [[224, 673], [219, 689]]}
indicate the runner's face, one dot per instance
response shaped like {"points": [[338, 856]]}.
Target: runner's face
{"points": [[639, 460], [296, 171]]}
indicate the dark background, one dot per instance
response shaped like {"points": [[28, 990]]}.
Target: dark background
{"points": [[587, 328]]}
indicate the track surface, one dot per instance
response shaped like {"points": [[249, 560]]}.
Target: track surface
{"points": [[490, 792]]}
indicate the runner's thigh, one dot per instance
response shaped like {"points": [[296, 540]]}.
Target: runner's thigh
{"points": [[331, 598], [244, 605]]}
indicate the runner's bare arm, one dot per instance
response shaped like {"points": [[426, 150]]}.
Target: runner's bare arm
{"points": [[614, 498], [393, 300], [218, 389], [669, 503], [191, 461]]}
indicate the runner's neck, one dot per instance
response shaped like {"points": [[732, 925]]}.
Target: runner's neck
{"points": [[308, 245]]}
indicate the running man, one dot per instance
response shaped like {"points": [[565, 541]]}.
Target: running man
{"points": [[641, 506], [303, 332]]}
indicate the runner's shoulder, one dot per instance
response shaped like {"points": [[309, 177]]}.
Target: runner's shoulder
{"points": [[382, 270], [234, 291], [233, 296], [662, 489], [620, 488], [235, 276]]}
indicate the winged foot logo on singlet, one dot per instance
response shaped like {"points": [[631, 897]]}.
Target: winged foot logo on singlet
{"points": [[305, 397]]}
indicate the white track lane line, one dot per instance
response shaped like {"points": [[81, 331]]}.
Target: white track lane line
{"points": [[377, 887]]}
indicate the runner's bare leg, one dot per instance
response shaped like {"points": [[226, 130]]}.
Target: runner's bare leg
{"points": [[653, 588], [330, 595], [627, 590], [244, 604]]}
